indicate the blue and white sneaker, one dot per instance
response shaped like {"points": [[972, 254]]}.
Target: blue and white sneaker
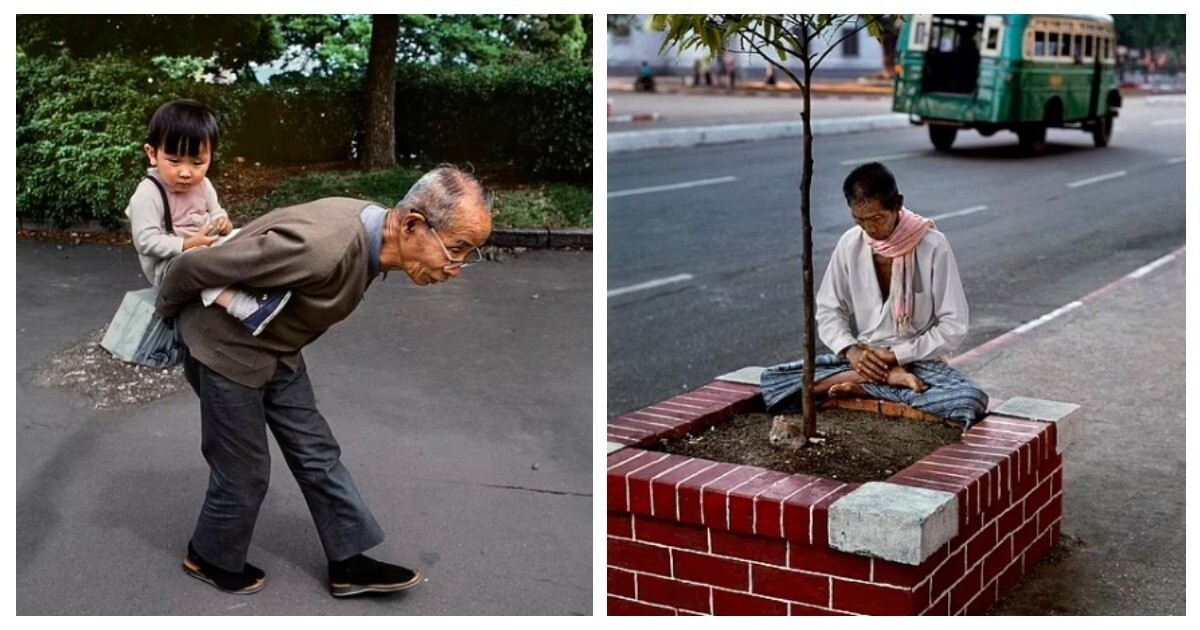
{"points": [[268, 307]]}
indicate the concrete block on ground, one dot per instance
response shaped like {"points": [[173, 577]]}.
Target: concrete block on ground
{"points": [[751, 375], [893, 522], [613, 447], [1067, 417], [130, 325]]}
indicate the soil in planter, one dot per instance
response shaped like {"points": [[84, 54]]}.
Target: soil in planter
{"points": [[857, 446]]}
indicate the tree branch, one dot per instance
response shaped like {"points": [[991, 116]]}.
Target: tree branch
{"points": [[791, 75], [842, 39]]}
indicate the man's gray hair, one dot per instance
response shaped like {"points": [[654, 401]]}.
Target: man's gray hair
{"points": [[441, 193]]}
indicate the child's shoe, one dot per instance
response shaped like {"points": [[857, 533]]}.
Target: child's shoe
{"points": [[269, 306]]}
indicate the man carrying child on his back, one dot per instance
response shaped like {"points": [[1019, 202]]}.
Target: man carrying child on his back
{"points": [[175, 208]]}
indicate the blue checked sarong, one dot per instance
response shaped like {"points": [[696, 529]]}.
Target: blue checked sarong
{"points": [[951, 394]]}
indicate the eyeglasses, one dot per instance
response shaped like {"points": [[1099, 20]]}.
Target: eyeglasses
{"points": [[454, 265]]}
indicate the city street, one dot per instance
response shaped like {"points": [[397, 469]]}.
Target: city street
{"points": [[704, 243]]}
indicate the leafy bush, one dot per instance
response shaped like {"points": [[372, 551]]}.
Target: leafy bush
{"points": [[81, 124], [80, 127], [298, 119], [536, 116]]}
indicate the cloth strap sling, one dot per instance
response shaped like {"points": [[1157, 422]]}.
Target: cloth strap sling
{"points": [[166, 205], [901, 247]]}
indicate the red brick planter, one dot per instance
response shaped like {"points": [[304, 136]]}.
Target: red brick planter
{"points": [[690, 536]]}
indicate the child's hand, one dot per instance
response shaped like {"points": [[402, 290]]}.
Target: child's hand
{"points": [[199, 240], [223, 226]]}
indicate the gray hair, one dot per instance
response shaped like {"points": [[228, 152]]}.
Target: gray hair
{"points": [[441, 193]]}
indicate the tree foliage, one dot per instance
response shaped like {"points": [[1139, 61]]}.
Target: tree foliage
{"points": [[326, 44], [1152, 31], [557, 36], [227, 41], [622, 24]]}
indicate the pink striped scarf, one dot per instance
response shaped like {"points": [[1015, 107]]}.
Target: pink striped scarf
{"points": [[901, 247]]}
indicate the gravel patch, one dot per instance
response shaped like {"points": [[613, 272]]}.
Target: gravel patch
{"points": [[108, 382]]}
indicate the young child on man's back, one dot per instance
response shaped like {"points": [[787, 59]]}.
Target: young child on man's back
{"points": [[182, 140]]}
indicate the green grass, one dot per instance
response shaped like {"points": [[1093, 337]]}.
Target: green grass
{"points": [[534, 206]]}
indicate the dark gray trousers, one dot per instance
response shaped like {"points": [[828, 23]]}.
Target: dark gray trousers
{"points": [[234, 419]]}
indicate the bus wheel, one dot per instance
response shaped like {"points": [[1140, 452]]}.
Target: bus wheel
{"points": [[942, 136], [1102, 130], [1032, 139]]}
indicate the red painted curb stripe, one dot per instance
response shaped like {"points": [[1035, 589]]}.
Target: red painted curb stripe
{"points": [[1008, 337]]}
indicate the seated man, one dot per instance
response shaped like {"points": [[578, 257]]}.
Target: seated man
{"points": [[891, 306]]}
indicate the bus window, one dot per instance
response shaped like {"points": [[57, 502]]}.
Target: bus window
{"points": [[1039, 44], [1066, 45], [993, 39], [1078, 48], [1087, 47], [1052, 44], [919, 37]]}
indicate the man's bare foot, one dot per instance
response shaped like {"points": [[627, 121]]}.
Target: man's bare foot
{"points": [[900, 377], [847, 390]]}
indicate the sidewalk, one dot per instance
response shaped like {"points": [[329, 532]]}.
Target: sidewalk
{"points": [[678, 116], [463, 411], [1121, 357], [684, 116]]}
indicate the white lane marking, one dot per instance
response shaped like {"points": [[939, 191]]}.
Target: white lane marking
{"points": [[1098, 178], [650, 284], [1028, 326], [1004, 339], [1152, 266], [957, 213], [879, 158], [664, 188], [1169, 121], [1177, 160]]}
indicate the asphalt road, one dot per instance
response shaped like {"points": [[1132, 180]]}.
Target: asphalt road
{"points": [[463, 411], [1030, 234]]}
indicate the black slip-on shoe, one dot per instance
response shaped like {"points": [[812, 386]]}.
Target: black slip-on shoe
{"points": [[360, 574], [250, 580]]}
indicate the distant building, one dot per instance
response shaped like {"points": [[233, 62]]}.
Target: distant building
{"points": [[859, 55]]}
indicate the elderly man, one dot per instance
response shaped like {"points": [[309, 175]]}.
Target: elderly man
{"points": [[327, 253], [891, 307]]}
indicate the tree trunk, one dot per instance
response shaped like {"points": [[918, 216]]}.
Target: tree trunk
{"points": [[810, 319], [379, 139], [890, 43]]}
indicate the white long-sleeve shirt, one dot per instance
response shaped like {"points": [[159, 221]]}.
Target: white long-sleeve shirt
{"points": [[145, 211], [850, 306]]}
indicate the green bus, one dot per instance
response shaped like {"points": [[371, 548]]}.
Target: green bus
{"points": [[1021, 73]]}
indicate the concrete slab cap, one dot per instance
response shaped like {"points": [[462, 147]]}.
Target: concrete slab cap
{"points": [[749, 375], [1067, 417], [898, 523], [613, 447]]}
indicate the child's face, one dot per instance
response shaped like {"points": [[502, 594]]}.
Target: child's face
{"points": [[180, 172]]}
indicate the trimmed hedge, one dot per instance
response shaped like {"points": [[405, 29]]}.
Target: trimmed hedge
{"points": [[80, 125], [537, 117]]}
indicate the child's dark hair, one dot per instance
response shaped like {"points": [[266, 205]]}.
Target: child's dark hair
{"points": [[871, 181], [183, 127]]}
